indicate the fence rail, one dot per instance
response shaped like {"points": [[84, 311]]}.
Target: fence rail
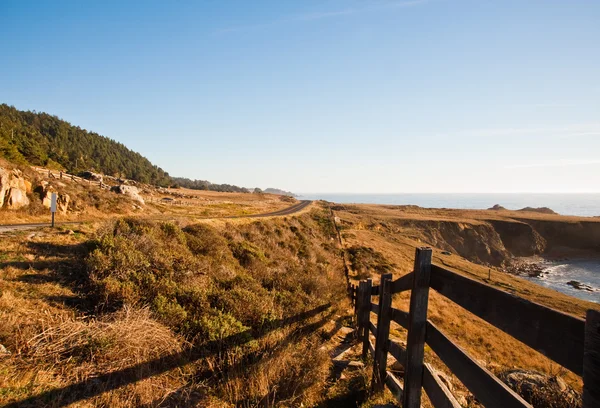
{"points": [[61, 175], [572, 342]]}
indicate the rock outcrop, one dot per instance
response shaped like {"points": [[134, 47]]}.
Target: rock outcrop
{"points": [[89, 175], [541, 390], [497, 207], [45, 191], [130, 191], [541, 210], [13, 189]]}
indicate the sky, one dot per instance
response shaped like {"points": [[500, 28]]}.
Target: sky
{"points": [[360, 96]]}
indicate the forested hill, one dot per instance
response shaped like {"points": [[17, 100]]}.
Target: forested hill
{"points": [[207, 185], [45, 140]]}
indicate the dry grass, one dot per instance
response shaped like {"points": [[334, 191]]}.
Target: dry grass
{"points": [[215, 294], [223, 287], [395, 232], [111, 343]]}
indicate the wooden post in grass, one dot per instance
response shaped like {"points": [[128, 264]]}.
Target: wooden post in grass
{"points": [[358, 309], [591, 360], [417, 324], [383, 333], [53, 199], [366, 316]]}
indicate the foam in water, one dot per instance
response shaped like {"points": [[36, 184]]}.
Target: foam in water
{"points": [[557, 274]]}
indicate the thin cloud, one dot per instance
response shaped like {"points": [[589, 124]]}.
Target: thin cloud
{"points": [[556, 163], [324, 15]]}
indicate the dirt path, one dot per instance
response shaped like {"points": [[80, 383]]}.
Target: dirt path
{"points": [[280, 213]]}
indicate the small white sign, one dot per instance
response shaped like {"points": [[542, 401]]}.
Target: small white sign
{"points": [[53, 203]]}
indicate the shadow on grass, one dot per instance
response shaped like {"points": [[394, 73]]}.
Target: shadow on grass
{"points": [[189, 396], [92, 387], [65, 266]]}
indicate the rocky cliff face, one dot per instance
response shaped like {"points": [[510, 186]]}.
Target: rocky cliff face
{"points": [[477, 242], [13, 189], [494, 242], [519, 238], [562, 237]]}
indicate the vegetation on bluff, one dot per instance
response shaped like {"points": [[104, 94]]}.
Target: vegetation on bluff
{"points": [[231, 314], [41, 139]]}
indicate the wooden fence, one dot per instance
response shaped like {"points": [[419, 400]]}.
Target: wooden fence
{"points": [[61, 175], [572, 342]]}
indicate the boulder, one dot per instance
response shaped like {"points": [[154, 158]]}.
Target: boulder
{"points": [[46, 196], [3, 185], [89, 175], [130, 191], [541, 390], [62, 202], [15, 198], [13, 189]]}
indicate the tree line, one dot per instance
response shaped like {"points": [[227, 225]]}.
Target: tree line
{"points": [[207, 185], [41, 139], [29, 137]]}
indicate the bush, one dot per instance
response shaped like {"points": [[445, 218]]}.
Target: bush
{"points": [[363, 260], [228, 290]]}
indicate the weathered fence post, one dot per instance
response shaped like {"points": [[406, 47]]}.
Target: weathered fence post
{"points": [[591, 360], [383, 333], [415, 343], [358, 307], [366, 316]]}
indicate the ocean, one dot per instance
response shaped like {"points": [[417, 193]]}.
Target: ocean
{"points": [[587, 272], [557, 275], [584, 205]]}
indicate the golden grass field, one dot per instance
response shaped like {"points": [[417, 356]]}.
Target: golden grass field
{"points": [[395, 232], [49, 320]]}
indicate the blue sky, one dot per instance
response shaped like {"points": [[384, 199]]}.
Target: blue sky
{"points": [[324, 96]]}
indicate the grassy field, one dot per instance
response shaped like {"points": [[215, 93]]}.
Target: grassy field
{"points": [[383, 239], [145, 313], [181, 310]]}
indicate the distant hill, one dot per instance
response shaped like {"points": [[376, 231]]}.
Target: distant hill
{"points": [[280, 192], [207, 185], [41, 139]]}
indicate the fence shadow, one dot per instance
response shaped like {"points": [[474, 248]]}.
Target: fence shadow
{"points": [[190, 397], [95, 386]]}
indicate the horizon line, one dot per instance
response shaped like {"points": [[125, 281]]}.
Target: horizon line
{"points": [[454, 192]]}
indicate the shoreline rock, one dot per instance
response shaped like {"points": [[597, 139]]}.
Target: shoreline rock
{"points": [[580, 286], [520, 267]]}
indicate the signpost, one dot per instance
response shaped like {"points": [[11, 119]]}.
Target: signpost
{"points": [[53, 207]]}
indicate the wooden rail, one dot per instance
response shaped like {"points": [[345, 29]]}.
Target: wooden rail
{"points": [[572, 342], [61, 175]]}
